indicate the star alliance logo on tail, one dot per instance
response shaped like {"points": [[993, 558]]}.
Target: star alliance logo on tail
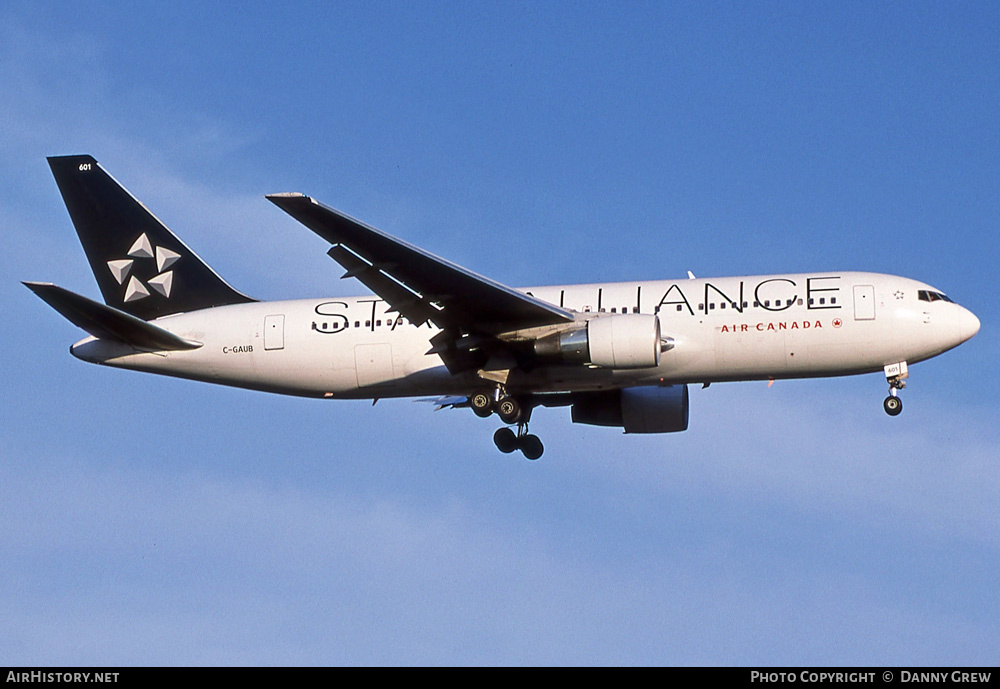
{"points": [[142, 250]]}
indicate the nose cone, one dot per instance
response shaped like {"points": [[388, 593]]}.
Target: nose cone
{"points": [[968, 324]]}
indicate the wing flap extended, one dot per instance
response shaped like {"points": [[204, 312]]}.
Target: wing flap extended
{"points": [[410, 304], [107, 322], [414, 281]]}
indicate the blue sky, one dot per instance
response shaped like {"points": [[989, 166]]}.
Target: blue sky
{"points": [[145, 520]]}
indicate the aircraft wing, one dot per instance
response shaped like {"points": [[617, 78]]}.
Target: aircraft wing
{"points": [[416, 283]]}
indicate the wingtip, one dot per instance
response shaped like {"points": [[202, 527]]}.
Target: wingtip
{"points": [[283, 196]]}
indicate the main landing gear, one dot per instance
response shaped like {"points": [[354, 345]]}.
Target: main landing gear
{"points": [[529, 445], [511, 411], [895, 375]]}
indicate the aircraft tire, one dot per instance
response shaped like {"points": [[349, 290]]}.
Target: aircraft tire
{"points": [[505, 440], [481, 404], [509, 410], [531, 447], [893, 405]]}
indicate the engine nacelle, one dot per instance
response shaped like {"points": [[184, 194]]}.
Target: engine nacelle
{"points": [[628, 340], [637, 410]]}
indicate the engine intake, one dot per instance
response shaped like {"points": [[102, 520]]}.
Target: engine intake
{"points": [[628, 340]]}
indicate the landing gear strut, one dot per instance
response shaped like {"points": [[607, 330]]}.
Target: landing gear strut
{"points": [[895, 375]]}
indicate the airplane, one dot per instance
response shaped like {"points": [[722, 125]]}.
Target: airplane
{"points": [[618, 354]]}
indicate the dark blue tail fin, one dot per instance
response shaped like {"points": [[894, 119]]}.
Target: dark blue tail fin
{"points": [[141, 267]]}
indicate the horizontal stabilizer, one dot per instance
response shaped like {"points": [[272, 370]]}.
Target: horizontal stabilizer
{"points": [[108, 323]]}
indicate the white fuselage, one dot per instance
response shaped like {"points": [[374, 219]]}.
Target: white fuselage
{"points": [[724, 329]]}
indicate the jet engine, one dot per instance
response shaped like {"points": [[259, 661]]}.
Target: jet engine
{"points": [[628, 340], [637, 410]]}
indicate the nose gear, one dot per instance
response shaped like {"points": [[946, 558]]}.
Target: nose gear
{"points": [[895, 375]]}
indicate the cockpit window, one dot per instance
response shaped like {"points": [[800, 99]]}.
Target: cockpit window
{"points": [[928, 295]]}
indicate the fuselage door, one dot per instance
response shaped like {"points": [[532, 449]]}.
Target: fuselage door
{"points": [[864, 302], [274, 332]]}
